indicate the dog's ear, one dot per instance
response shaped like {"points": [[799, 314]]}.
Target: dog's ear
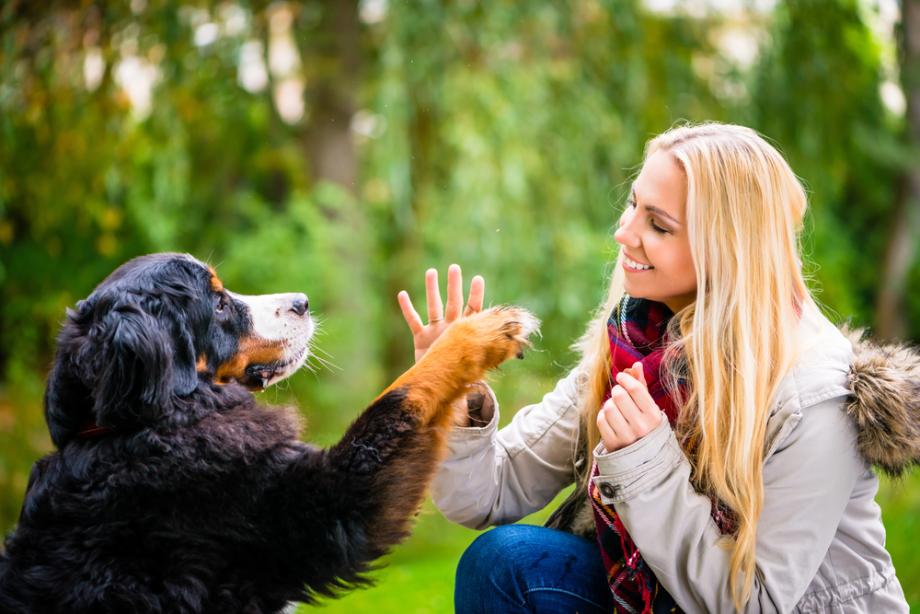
{"points": [[141, 361], [132, 367], [120, 360]]}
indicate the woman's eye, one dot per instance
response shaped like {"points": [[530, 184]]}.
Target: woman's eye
{"points": [[631, 204]]}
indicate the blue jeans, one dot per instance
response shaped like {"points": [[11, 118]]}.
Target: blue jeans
{"points": [[523, 568]]}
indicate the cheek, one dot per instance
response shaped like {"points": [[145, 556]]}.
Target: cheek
{"points": [[680, 263], [666, 253], [219, 347]]}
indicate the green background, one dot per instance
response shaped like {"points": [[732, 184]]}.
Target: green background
{"points": [[499, 135]]}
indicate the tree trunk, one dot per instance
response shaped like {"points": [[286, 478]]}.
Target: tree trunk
{"points": [[334, 52], [891, 309]]}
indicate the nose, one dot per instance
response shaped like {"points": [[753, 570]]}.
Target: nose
{"points": [[624, 234], [300, 304]]}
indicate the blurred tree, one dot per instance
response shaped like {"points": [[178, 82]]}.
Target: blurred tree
{"points": [[817, 95], [891, 315]]}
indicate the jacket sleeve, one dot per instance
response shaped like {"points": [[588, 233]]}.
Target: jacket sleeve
{"points": [[807, 483], [495, 477]]}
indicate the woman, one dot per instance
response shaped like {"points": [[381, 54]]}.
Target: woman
{"points": [[717, 424]]}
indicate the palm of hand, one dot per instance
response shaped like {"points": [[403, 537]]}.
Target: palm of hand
{"points": [[439, 317], [426, 337]]}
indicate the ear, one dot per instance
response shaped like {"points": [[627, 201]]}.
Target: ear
{"points": [[139, 364]]}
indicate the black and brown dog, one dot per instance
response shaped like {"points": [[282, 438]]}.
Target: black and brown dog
{"points": [[172, 490]]}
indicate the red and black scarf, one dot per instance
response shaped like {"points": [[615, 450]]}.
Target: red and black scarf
{"points": [[637, 329]]}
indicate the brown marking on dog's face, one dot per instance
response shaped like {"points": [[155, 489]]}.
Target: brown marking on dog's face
{"points": [[202, 365], [252, 351], [216, 284]]}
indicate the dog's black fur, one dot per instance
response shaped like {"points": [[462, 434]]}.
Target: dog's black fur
{"points": [[187, 496]]}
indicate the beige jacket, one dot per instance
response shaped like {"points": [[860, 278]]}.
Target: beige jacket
{"points": [[820, 543]]}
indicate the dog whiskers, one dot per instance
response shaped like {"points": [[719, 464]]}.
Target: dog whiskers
{"points": [[323, 361]]}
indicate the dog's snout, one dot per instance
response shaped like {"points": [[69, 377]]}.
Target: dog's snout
{"points": [[300, 304]]}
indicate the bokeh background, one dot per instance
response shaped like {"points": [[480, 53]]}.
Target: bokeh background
{"points": [[340, 148]]}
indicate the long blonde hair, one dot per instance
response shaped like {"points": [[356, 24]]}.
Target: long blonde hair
{"points": [[736, 341]]}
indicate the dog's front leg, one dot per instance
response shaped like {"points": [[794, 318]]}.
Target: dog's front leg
{"points": [[362, 493], [461, 356], [399, 440]]}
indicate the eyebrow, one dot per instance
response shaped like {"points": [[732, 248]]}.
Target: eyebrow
{"points": [[655, 210]]}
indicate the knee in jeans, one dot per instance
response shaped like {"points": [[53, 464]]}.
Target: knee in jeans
{"points": [[493, 553]]}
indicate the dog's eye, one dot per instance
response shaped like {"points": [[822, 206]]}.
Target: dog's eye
{"points": [[221, 305]]}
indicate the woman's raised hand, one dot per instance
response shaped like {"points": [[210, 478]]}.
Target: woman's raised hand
{"points": [[439, 318]]}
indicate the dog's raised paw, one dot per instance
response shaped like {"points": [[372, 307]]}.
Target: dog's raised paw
{"points": [[496, 334]]}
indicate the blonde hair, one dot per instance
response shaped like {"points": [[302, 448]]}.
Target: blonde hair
{"points": [[736, 341]]}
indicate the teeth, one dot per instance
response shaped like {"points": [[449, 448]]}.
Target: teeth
{"points": [[635, 265]]}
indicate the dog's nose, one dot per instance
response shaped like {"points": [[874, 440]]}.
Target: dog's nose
{"points": [[300, 304]]}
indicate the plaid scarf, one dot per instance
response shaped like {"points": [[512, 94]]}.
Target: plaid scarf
{"points": [[637, 331]]}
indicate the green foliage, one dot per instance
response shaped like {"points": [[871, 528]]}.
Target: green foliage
{"points": [[817, 95], [503, 137]]}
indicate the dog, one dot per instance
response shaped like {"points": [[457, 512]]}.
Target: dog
{"points": [[172, 490]]}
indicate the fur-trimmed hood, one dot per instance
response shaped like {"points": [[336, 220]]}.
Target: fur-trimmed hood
{"points": [[885, 402]]}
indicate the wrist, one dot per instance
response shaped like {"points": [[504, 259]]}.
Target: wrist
{"points": [[480, 407]]}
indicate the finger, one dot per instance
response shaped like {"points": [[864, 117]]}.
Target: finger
{"points": [[628, 409], [607, 435], [477, 295], [409, 313], [454, 293], [638, 392], [433, 296], [620, 426], [638, 372]]}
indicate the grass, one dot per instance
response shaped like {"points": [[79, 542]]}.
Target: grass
{"points": [[418, 577]]}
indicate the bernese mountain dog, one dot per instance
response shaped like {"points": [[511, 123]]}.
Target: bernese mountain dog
{"points": [[172, 490]]}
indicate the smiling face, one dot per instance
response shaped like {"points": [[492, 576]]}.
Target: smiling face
{"points": [[653, 234]]}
